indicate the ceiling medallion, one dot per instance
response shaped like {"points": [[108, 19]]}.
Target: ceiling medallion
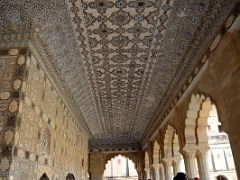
{"points": [[121, 4], [103, 30], [120, 18], [141, 5], [120, 72], [89, 19], [120, 58], [120, 41], [101, 5]]}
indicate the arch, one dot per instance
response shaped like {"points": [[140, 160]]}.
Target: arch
{"points": [[156, 152], [116, 167], [44, 177], [130, 156], [212, 140], [168, 141], [70, 176], [192, 115], [146, 160], [176, 147], [172, 157], [202, 121], [178, 164], [191, 139]]}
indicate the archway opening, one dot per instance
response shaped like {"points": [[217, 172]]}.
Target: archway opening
{"points": [[178, 162], [70, 176], [173, 158], [120, 168], [44, 177], [220, 158]]}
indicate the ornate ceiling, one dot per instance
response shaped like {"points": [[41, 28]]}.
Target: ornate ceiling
{"points": [[122, 60]]}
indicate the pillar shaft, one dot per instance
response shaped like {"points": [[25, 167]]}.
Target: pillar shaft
{"points": [[156, 171], [97, 176], [190, 163], [169, 167], [177, 165], [162, 173], [203, 164], [147, 172], [140, 174]]}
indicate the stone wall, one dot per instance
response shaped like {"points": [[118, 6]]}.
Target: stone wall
{"points": [[48, 138], [11, 76]]}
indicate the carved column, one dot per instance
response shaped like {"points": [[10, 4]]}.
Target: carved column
{"points": [[96, 166], [162, 172], [177, 164], [97, 175], [190, 164], [139, 174], [203, 163], [147, 172], [168, 163], [156, 167]]}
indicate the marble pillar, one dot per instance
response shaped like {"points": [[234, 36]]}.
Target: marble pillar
{"points": [[203, 163], [190, 162], [156, 167], [168, 172], [162, 172], [97, 175], [147, 172], [177, 164]]}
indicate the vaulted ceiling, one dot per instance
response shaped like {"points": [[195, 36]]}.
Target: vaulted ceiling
{"points": [[122, 61]]}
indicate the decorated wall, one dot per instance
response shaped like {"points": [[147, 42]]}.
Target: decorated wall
{"points": [[11, 76], [48, 138]]}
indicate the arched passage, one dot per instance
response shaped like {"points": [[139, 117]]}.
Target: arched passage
{"points": [[201, 116], [168, 142], [156, 152], [190, 148], [44, 177], [147, 165], [172, 157], [120, 166], [168, 152], [202, 122], [157, 164], [70, 176], [178, 164], [191, 120], [214, 151], [202, 138]]}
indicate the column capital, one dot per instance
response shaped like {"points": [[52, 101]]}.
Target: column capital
{"points": [[190, 149], [203, 148], [156, 166], [177, 158], [147, 170], [168, 160]]}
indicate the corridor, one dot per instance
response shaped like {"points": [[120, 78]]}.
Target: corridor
{"points": [[119, 89]]}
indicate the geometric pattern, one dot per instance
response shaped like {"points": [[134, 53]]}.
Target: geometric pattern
{"points": [[123, 61], [124, 47], [118, 48]]}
